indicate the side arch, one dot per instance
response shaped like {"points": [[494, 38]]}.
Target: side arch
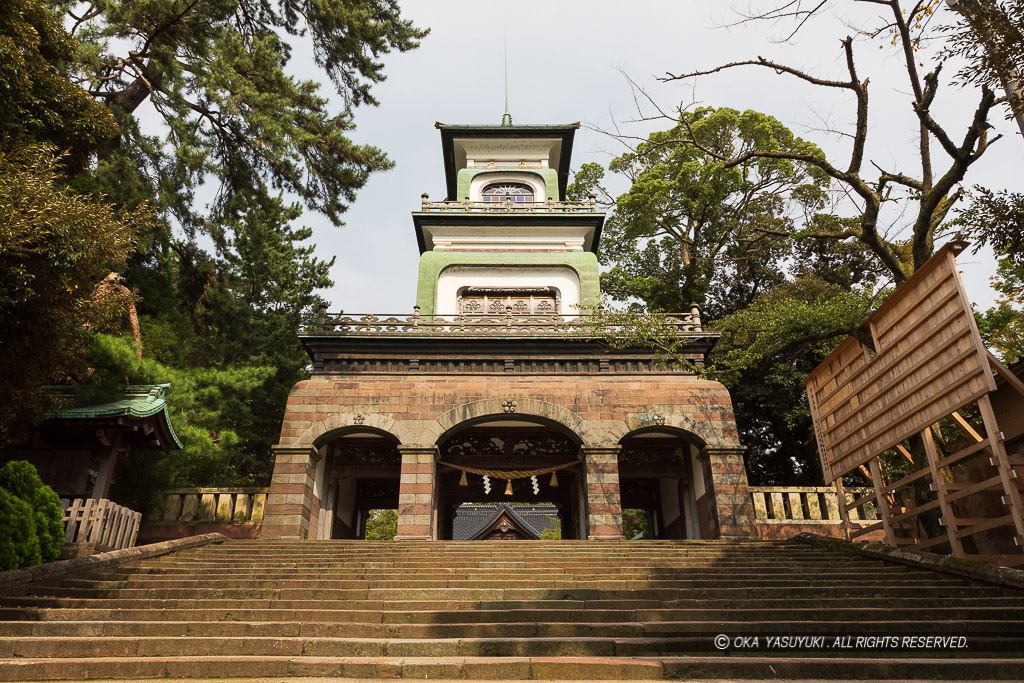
{"points": [[701, 432]]}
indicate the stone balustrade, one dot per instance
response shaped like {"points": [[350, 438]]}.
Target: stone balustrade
{"points": [[551, 206], [508, 324], [784, 511], [219, 505]]}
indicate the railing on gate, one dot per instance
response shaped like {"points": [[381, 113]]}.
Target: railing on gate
{"points": [[102, 523]]}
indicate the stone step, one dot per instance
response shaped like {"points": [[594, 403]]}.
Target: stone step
{"points": [[822, 592], [329, 584], [547, 610], [350, 572], [219, 646], [521, 629], [935, 615], [514, 668]]}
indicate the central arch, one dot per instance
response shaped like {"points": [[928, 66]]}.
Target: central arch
{"points": [[510, 441]]}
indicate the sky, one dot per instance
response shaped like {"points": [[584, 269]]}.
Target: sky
{"points": [[573, 60]]}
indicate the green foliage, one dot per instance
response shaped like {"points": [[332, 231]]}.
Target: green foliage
{"points": [[988, 42], [214, 411], [765, 354], [1002, 327], [38, 104], [54, 246], [692, 228], [19, 544], [634, 523], [997, 219], [218, 74], [31, 530], [755, 246], [381, 525], [552, 532]]}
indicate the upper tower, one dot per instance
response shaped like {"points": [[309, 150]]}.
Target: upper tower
{"points": [[505, 237]]}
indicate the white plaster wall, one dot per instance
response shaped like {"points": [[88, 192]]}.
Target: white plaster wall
{"points": [[698, 474], [346, 501], [669, 489], [453, 278]]}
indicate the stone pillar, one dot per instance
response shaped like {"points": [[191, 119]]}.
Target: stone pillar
{"points": [[290, 500], [732, 509], [416, 493], [604, 509]]}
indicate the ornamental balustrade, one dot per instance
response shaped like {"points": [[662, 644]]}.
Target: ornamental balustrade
{"points": [[808, 505], [510, 323], [508, 205]]}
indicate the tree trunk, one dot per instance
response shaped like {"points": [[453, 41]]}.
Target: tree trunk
{"points": [[995, 36]]}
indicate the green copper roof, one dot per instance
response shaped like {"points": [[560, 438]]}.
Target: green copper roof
{"points": [[137, 400]]}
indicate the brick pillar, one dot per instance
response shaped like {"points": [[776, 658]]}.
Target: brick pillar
{"points": [[416, 494], [732, 508], [604, 511], [291, 500]]}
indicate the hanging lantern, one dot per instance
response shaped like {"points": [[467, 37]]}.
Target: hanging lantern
{"points": [[462, 480], [554, 480], [508, 487]]}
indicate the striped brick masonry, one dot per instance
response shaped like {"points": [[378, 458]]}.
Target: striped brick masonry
{"points": [[733, 508], [290, 502], [417, 411], [416, 499], [604, 510]]}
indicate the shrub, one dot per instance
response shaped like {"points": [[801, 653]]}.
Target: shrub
{"points": [[31, 530]]}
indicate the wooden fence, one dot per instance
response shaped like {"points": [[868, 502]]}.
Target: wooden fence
{"points": [[807, 505], [102, 524], [218, 505]]}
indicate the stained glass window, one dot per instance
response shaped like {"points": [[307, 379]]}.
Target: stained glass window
{"points": [[508, 192]]}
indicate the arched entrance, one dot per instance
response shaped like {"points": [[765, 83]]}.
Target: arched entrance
{"points": [[362, 470], [661, 481], [497, 445]]}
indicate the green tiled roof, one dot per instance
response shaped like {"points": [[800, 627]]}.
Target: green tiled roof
{"points": [[138, 400]]}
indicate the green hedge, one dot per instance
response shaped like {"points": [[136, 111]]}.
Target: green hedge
{"points": [[31, 530]]}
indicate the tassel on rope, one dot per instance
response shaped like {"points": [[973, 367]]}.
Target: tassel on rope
{"points": [[508, 487], [462, 481], [554, 480], [536, 486], [487, 484]]}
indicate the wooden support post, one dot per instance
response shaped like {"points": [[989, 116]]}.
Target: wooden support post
{"points": [[843, 514], [106, 474], [1011, 494], [881, 503], [939, 484]]}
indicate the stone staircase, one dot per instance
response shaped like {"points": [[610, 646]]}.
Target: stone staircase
{"points": [[509, 610]]}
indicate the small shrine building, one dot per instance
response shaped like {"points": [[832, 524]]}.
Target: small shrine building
{"points": [[494, 390]]}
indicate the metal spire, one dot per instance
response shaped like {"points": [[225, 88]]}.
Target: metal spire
{"points": [[506, 120]]}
